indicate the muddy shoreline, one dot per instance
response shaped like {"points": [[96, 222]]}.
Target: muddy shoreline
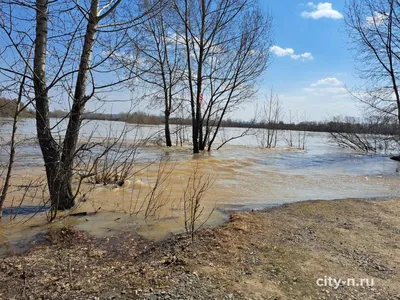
{"points": [[276, 253]]}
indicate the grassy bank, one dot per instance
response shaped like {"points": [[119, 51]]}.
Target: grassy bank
{"points": [[275, 254]]}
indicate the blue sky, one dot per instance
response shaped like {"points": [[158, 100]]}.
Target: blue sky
{"points": [[311, 59], [311, 64], [310, 67]]}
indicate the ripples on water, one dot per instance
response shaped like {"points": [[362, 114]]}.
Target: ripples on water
{"points": [[246, 176]]}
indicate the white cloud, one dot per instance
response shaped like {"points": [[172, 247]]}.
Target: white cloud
{"points": [[321, 10], [304, 56], [330, 86], [282, 52], [278, 51], [330, 81], [377, 19]]}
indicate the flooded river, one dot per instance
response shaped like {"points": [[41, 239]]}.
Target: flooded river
{"points": [[245, 176]]}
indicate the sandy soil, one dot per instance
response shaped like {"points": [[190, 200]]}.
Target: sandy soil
{"points": [[279, 253]]}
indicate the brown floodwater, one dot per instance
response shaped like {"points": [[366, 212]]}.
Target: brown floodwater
{"points": [[244, 177]]}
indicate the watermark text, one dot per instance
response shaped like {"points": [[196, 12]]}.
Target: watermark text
{"points": [[335, 283]]}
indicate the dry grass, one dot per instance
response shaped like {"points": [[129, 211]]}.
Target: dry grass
{"points": [[276, 254]]}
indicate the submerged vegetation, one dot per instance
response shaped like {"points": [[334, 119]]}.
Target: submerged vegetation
{"points": [[191, 64], [196, 65], [197, 61]]}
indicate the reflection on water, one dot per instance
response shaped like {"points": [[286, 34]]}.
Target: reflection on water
{"points": [[246, 176]]}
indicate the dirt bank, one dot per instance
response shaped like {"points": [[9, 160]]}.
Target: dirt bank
{"points": [[275, 254]]}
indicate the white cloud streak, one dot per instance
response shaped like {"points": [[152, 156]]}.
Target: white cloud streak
{"points": [[330, 81], [330, 86], [281, 52], [321, 10]]}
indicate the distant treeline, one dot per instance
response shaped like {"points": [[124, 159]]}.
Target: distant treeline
{"points": [[7, 109], [335, 126], [346, 125]]}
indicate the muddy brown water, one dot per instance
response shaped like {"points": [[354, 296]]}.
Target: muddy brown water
{"points": [[246, 177]]}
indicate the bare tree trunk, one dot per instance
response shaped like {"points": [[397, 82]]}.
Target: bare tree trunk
{"points": [[195, 128], [195, 134], [200, 76], [162, 62], [11, 160], [390, 57], [50, 149], [59, 51], [59, 163], [168, 141], [167, 112], [75, 120]]}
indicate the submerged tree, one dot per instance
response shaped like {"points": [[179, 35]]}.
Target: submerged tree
{"points": [[162, 63], [73, 43], [271, 114], [225, 54], [374, 134], [18, 108]]}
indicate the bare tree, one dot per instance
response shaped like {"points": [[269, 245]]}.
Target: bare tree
{"points": [[271, 115], [162, 64], [373, 135], [302, 134], [374, 29], [289, 132], [19, 107], [194, 192], [225, 54], [296, 134], [88, 33]]}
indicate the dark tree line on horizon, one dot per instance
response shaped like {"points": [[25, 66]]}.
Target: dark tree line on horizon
{"points": [[336, 124]]}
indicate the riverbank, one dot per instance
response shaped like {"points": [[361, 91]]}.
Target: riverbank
{"points": [[280, 253]]}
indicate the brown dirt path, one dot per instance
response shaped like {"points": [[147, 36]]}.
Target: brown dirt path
{"points": [[279, 253]]}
